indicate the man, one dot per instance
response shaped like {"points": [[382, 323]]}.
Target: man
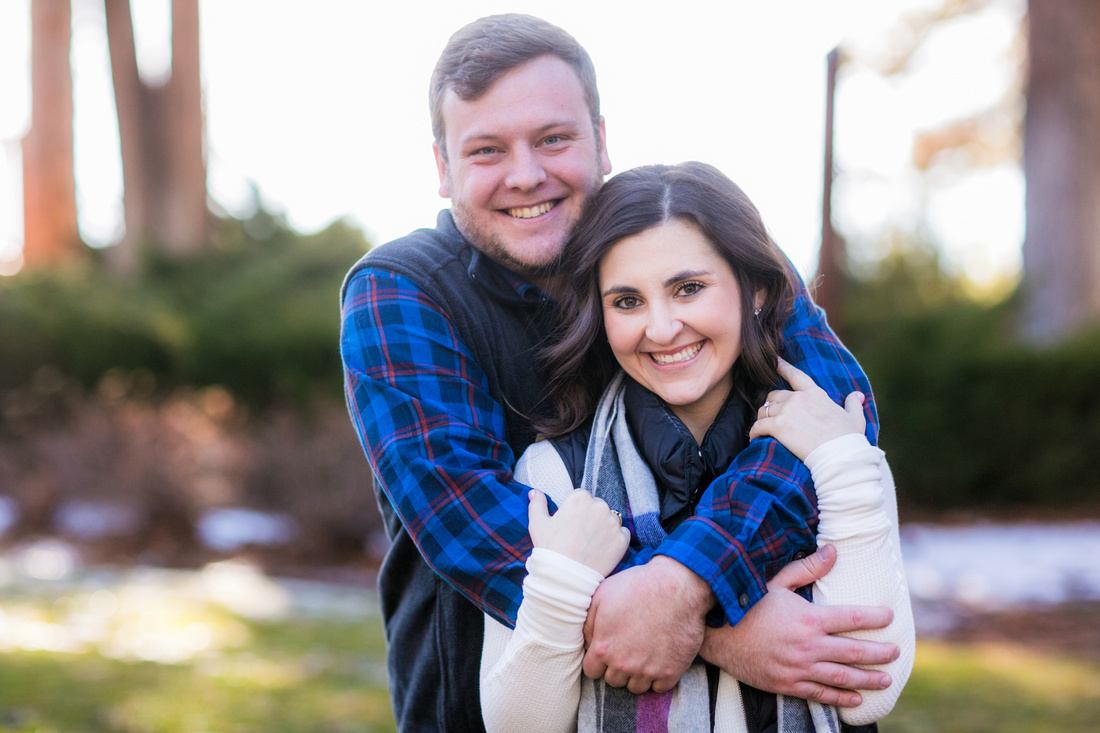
{"points": [[438, 342]]}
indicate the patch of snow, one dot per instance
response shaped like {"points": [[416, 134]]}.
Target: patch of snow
{"points": [[47, 560], [227, 530], [998, 566], [243, 589], [91, 520], [9, 514]]}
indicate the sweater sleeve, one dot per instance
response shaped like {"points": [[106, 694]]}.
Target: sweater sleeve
{"points": [[858, 516], [530, 677]]}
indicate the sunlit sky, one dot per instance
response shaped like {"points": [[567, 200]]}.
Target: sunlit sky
{"points": [[323, 107]]}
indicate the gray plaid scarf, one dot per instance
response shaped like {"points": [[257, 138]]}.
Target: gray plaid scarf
{"points": [[617, 473]]}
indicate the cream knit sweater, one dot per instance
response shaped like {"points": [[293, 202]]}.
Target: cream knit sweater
{"points": [[530, 677]]}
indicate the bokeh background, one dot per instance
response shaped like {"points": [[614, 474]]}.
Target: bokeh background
{"points": [[187, 524]]}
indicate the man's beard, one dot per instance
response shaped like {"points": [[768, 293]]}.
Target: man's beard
{"points": [[493, 245]]}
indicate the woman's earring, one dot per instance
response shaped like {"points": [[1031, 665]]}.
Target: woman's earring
{"points": [[756, 312]]}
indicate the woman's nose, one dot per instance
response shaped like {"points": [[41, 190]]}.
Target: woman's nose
{"points": [[663, 327]]}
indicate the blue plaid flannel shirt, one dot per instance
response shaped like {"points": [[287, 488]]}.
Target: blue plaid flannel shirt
{"points": [[434, 437]]}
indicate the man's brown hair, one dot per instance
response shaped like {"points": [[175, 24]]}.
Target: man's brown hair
{"points": [[480, 53]]}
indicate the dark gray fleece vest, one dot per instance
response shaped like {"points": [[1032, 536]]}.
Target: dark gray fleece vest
{"points": [[434, 634]]}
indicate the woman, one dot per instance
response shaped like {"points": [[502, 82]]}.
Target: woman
{"points": [[674, 266]]}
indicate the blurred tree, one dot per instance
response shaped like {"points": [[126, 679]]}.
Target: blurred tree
{"points": [[50, 233], [1062, 168], [1059, 83], [161, 135]]}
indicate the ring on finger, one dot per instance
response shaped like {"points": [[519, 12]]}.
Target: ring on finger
{"points": [[618, 516], [768, 409]]}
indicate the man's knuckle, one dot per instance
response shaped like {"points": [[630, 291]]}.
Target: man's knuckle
{"points": [[804, 650], [818, 694], [599, 649], [842, 677], [859, 654], [810, 623], [793, 685]]}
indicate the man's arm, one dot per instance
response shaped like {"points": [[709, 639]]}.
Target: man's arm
{"points": [[783, 644], [434, 436], [787, 645]]}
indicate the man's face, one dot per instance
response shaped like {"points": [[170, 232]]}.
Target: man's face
{"points": [[521, 162]]}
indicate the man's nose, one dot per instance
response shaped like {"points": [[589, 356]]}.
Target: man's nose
{"points": [[525, 172]]}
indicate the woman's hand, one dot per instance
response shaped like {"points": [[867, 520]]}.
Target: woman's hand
{"points": [[806, 417], [584, 528]]}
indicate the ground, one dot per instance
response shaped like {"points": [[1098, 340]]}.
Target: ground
{"points": [[1071, 630]]}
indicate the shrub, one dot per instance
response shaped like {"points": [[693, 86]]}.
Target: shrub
{"points": [[972, 417], [84, 324], [258, 316]]}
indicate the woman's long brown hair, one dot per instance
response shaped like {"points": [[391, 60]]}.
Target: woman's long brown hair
{"points": [[579, 362]]}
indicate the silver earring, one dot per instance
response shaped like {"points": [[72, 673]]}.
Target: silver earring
{"points": [[756, 312]]}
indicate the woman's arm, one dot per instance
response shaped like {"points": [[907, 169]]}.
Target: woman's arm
{"points": [[858, 517], [530, 677], [857, 511]]}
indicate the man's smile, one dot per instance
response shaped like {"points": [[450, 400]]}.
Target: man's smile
{"points": [[530, 212]]}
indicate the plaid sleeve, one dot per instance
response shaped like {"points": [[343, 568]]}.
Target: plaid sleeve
{"points": [[434, 437], [755, 517]]}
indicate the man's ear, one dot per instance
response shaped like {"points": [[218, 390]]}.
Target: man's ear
{"points": [[441, 166], [605, 159]]}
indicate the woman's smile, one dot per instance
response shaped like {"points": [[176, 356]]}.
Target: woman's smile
{"points": [[677, 357]]}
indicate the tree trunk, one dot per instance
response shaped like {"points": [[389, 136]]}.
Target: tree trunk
{"points": [[832, 266], [50, 233], [161, 132], [183, 228], [130, 103], [1062, 167]]}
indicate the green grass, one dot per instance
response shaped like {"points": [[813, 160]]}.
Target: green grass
{"points": [[283, 677], [302, 673], [994, 687], [222, 650]]}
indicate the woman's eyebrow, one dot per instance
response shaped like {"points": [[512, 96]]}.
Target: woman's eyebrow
{"points": [[685, 275], [620, 289], [669, 282]]}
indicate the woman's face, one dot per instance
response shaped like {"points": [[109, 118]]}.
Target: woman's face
{"points": [[672, 313]]}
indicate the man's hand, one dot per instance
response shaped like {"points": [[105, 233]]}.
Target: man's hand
{"points": [[645, 625], [787, 645]]}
